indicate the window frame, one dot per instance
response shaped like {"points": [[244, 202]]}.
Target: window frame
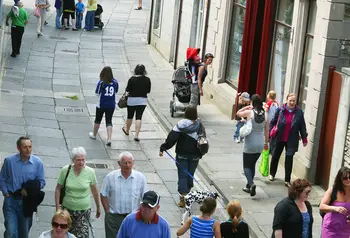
{"points": [[157, 31]]}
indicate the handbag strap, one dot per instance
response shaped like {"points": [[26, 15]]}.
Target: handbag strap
{"points": [[65, 179]]}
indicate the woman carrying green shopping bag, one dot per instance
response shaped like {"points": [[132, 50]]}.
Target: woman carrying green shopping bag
{"points": [[255, 141]]}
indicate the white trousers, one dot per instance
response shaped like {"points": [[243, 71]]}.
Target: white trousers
{"points": [[41, 20]]}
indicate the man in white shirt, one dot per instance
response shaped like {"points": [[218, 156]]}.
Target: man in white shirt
{"points": [[121, 193]]}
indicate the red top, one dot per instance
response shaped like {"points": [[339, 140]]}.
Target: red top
{"points": [[289, 118]]}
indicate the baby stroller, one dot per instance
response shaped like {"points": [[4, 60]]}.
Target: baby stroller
{"points": [[98, 17], [182, 80]]}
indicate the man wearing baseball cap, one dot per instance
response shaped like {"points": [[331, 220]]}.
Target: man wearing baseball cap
{"points": [[145, 222]]}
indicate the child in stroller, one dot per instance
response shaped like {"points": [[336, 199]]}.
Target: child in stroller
{"points": [[98, 17]]}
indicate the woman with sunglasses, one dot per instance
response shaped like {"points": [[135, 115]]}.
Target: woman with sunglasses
{"points": [[61, 222], [336, 222], [293, 215]]}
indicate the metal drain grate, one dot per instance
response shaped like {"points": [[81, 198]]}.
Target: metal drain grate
{"points": [[70, 51], [58, 38], [97, 166]]}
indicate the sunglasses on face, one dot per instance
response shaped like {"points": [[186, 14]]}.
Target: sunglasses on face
{"points": [[346, 178], [56, 225]]}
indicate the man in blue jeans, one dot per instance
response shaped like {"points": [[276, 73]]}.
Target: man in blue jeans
{"points": [[17, 170], [58, 6]]}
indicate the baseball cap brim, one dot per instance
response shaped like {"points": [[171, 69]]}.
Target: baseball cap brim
{"points": [[149, 203]]}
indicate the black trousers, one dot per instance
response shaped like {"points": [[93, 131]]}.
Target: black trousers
{"points": [[138, 109], [16, 38], [108, 115], [288, 163]]}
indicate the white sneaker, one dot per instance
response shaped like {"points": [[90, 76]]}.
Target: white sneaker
{"points": [[271, 178], [40, 34], [91, 134], [237, 141]]}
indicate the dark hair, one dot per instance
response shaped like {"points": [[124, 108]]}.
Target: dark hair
{"points": [[22, 138], [191, 113], [140, 69], [257, 103], [297, 187], [208, 205], [338, 183], [208, 55], [106, 75]]}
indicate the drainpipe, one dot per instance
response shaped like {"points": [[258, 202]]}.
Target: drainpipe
{"points": [[205, 33], [150, 23], [178, 34]]}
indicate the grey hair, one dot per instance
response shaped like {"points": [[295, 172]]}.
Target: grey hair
{"points": [[126, 154], [20, 4], [78, 151]]}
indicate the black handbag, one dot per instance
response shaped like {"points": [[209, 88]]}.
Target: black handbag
{"points": [[123, 101], [63, 189]]}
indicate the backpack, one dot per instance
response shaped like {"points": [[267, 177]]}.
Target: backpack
{"points": [[333, 198], [202, 141]]}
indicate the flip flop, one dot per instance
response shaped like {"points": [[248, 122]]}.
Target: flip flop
{"points": [[123, 129], [136, 139]]}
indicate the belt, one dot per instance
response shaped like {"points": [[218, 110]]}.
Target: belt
{"points": [[122, 215], [16, 195]]}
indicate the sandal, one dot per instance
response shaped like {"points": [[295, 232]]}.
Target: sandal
{"points": [[138, 8], [124, 130]]}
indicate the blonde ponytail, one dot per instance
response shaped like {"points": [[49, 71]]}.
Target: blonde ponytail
{"points": [[235, 223]]}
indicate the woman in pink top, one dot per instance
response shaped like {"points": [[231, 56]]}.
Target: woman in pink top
{"points": [[290, 123], [336, 222]]}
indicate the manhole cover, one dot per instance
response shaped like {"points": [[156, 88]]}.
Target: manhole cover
{"points": [[70, 109], [97, 166], [58, 38], [70, 51], [6, 67], [5, 91]]}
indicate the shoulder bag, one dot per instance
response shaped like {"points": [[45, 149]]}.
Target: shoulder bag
{"points": [[247, 128], [63, 189], [202, 141], [274, 129], [123, 101]]}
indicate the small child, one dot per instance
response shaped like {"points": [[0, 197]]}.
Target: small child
{"points": [[243, 100], [80, 8], [271, 105]]}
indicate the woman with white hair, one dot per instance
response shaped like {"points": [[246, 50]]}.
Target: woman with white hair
{"points": [[73, 193]]}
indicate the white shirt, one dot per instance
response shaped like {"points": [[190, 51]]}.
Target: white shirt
{"points": [[124, 195]]}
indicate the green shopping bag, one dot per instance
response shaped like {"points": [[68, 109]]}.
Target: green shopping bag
{"points": [[264, 163]]}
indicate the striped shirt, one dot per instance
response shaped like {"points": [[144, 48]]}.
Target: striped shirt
{"points": [[124, 195], [202, 228]]}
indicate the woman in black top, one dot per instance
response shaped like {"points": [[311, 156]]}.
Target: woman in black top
{"points": [[235, 227], [293, 215], [138, 87]]}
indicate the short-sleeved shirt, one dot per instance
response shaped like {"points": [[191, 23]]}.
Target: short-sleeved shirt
{"points": [[77, 197], [124, 195], [21, 19], [80, 7], [106, 93]]}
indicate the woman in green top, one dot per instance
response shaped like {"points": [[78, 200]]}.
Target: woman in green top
{"points": [[78, 180]]}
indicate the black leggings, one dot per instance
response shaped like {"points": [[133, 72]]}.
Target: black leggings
{"points": [[139, 111], [108, 117], [288, 162], [249, 161]]}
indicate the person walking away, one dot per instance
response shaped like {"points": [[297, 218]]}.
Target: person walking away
{"points": [[61, 222], [235, 227], [80, 9], [90, 15], [293, 215], [256, 141], [336, 221], [203, 226], [185, 135], [289, 121], [58, 6], [139, 7], [271, 105], [243, 101], [17, 170], [145, 222], [106, 89], [79, 181], [203, 72], [121, 193], [69, 11], [19, 19], [42, 5], [138, 87]]}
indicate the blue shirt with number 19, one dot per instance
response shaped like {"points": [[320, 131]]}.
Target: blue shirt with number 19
{"points": [[106, 93]]}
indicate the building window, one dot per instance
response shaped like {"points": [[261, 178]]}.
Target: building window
{"points": [[282, 40], [235, 43], [157, 17], [200, 24], [309, 39]]}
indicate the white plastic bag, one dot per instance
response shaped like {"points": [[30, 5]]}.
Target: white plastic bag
{"points": [[246, 129]]}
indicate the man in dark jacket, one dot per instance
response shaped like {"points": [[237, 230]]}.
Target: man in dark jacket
{"points": [[185, 135]]}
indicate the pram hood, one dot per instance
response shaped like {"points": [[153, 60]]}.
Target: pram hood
{"points": [[188, 127], [191, 52]]}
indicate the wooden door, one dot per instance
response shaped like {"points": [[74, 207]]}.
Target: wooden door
{"points": [[329, 123]]}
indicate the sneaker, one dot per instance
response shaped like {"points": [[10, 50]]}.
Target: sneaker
{"points": [[109, 143], [287, 184], [246, 189], [13, 55], [271, 178], [91, 134], [74, 29], [237, 140], [253, 190], [40, 34]]}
